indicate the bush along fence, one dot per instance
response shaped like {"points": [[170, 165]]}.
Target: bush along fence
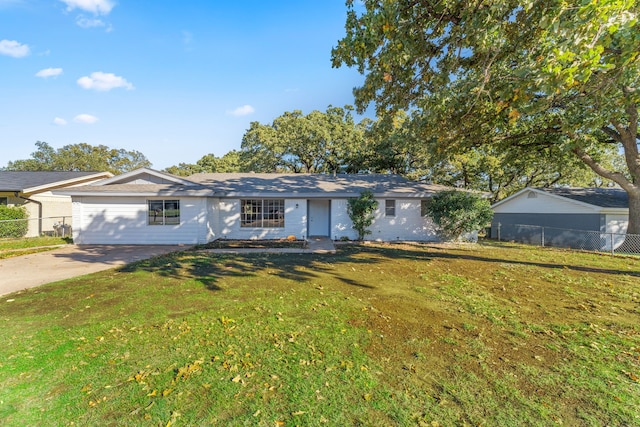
{"points": [[614, 243], [59, 226]]}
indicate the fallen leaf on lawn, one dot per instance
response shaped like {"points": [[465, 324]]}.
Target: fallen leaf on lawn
{"points": [[295, 414], [236, 379]]}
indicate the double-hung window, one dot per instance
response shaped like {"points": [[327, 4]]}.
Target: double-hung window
{"points": [[164, 212], [262, 213], [390, 208]]}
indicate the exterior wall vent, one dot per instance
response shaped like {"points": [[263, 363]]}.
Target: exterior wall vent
{"points": [[532, 195]]}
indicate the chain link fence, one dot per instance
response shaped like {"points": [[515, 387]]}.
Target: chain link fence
{"points": [[58, 226], [614, 243]]}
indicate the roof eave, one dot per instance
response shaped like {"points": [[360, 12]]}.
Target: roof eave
{"points": [[66, 182]]}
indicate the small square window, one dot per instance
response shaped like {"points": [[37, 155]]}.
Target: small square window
{"points": [[4, 201], [390, 208]]}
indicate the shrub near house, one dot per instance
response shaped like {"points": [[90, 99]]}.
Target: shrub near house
{"points": [[459, 212], [10, 222]]}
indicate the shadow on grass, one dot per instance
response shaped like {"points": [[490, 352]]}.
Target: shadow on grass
{"points": [[442, 253], [208, 269]]}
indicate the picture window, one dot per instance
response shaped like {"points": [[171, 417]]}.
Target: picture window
{"points": [[262, 213]]}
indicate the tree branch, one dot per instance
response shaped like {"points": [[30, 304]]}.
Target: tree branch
{"points": [[616, 177]]}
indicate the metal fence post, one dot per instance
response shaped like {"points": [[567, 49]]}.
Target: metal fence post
{"points": [[613, 252], [542, 237], [499, 225]]}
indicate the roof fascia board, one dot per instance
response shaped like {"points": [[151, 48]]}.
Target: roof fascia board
{"points": [[67, 182], [179, 193], [615, 211], [327, 195], [142, 171]]}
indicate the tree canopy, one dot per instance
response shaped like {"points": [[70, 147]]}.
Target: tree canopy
{"points": [[520, 76], [80, 157], [314, 143], [209, 163]]}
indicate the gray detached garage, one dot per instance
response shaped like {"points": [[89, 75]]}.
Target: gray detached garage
{"points": [[586, 218]]}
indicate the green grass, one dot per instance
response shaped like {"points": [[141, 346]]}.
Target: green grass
{"points": [[32, 242], [17, 247], [489, 334]]}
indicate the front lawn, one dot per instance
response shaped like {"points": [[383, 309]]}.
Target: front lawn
{"points": [[17, 247], [376, 335]]}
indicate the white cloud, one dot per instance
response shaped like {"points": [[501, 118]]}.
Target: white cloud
{"points": [[84, 22], [13, 48], [59, 121], [103, 81], [97, 7], [49, 72], [242, 111], [85, 118]]}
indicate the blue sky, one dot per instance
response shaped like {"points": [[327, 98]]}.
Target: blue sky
{"points": [[174, 80]]}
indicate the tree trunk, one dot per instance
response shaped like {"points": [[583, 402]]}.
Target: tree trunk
{"points": [[634, 214], [631, 242]]}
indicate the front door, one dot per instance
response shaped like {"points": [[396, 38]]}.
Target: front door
{"points": [[319, 217]]}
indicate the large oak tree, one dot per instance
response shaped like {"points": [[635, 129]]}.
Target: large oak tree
{"points": [[516, 74], [318, 142]]}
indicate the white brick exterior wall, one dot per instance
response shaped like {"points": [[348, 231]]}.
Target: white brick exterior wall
{"points": [[123, 220], [407, 224], [295, 223], [99, 220]]}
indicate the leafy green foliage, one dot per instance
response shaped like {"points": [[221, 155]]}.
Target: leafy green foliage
{"points": [[16, 224], [361, 210], [459, 212], [314, 143], [521, 77], [229, 163], [80, 157]]}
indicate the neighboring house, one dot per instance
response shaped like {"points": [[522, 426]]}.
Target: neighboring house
{"points": [[33, 190], [150, 207], [586, 218]]}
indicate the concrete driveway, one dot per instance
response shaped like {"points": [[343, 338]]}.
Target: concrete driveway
{"points": [[32, 270]]}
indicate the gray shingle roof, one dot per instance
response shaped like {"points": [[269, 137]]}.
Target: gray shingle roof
{"points": [[603, 197], [311, 185], [268, 185], [22, 180]]}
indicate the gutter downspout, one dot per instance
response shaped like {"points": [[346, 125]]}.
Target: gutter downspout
{"points": [[17, 194]]}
